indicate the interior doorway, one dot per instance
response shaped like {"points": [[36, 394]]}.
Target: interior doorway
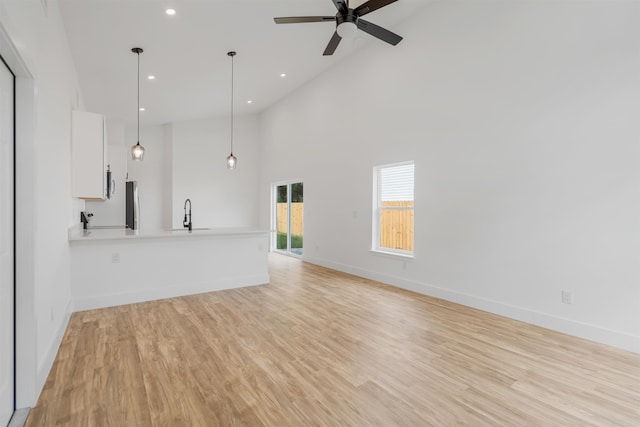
{"points": [[7, 246], [288, 217]]}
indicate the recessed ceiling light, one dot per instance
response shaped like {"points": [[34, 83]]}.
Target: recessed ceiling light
{"points": [[151, 77], [249, 102], [141, 108], [283, 75], [170, 12]]}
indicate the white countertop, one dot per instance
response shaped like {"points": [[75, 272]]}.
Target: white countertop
{"points": [[76, 233]]}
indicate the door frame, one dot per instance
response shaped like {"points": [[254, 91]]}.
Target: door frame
{"points": [[274, 217], [25, 118], [13, 231]]}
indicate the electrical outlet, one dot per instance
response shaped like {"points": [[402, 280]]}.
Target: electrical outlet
{"points": [[567, 297], [115, 257]]}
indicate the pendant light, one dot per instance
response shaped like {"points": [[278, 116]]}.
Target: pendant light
{"points": [[232, 161], [137, 151]]}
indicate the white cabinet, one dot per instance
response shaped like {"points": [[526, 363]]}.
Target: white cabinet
{"points": [[88, 156]]}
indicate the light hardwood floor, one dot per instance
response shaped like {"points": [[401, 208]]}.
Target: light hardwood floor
{"points": [[318, 347]]}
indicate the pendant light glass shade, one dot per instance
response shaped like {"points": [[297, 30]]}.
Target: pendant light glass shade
{"points": [[137, 151], [232, 161]]}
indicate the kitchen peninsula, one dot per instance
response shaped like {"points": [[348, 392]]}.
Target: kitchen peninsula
{"points": [[112, 267]]}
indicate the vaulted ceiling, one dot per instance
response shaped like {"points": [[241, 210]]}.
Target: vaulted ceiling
{"points": [[187, 53]]}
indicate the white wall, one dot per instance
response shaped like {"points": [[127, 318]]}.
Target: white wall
{"points": [[35, 43], [220, 197], [522, 120], [167, 190], [149, 173]]}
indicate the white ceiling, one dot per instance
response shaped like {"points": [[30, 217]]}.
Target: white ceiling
{"points": [[187, 53]]}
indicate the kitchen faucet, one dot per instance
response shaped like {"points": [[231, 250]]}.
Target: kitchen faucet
{"points": [[85, 217], [184, 221]]}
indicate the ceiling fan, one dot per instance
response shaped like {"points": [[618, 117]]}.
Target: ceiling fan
{"points": [[348, 21]]}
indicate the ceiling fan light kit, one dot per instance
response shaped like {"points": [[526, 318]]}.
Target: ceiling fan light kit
{"points": [[347, 30], [348, 21]]}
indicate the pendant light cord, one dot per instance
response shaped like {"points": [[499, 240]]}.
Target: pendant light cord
{"points": [[232, 103], [138, 97]]}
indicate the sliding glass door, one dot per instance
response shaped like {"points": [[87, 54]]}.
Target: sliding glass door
{"points": [[288, 217]]}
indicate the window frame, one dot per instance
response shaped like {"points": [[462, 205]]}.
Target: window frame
{"points": [[378, 209]]}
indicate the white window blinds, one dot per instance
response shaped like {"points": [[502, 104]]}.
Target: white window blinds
{"points": [[396, 183]]}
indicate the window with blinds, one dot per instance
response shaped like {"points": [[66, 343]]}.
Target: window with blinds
{"points": [[394, 210]]}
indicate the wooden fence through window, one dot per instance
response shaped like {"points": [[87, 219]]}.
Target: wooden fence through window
{"points": [[396, 226], [297, 225]]}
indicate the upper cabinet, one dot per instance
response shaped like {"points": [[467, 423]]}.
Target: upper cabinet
{"points": [[88, 156]]}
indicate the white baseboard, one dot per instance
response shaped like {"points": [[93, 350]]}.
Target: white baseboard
{"points": [[567, 326], [19, 418], [47, 363], [142, 295]]}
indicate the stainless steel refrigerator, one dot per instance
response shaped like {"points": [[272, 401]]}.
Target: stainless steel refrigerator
{"points": [[132, 206]]}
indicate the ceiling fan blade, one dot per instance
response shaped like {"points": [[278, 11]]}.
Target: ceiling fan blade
{"points": [[341, 5], [379, 32], [333, 44], [303, 19], [371, 5]]}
